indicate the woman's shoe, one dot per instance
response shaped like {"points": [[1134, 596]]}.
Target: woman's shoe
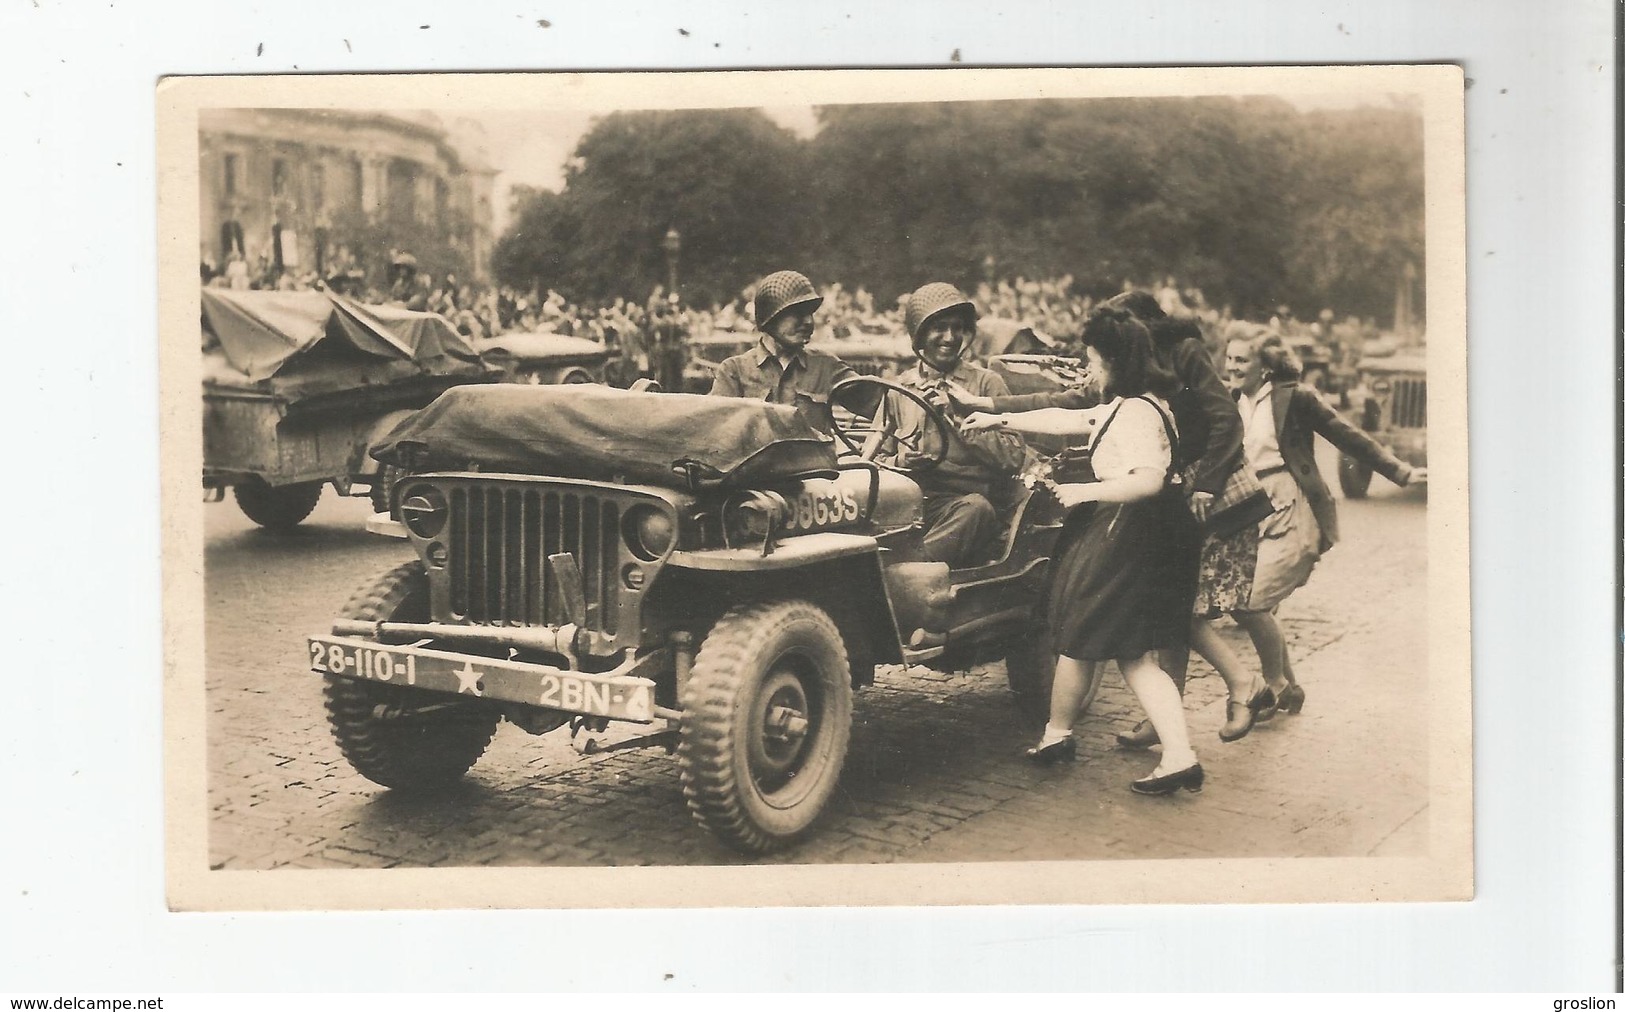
{"points": [[1190, 778], [1240, 717], [1290, 699], [1064, 750], [1142, 737]]}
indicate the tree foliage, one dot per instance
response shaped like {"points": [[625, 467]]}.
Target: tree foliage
{"points": [[1249, 199], [729, 181], [439, 248]]}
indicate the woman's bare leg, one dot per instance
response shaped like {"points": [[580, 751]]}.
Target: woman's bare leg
{"points": [[1270, 643], [1066, 695], [1160, 700], [1205, 640]]}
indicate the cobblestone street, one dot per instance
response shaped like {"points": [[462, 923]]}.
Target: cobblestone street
{"points": [[934, 772]]}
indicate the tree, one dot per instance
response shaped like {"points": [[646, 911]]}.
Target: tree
{"points": [[440, 249], [728, 180], [1249, 199], [1364, 220]]}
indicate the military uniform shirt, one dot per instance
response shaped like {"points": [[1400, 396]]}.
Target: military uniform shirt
{"points": [[804, 383]]}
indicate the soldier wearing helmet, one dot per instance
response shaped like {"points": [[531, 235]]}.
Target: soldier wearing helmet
{"points": [[781, 369], [962, 522]]}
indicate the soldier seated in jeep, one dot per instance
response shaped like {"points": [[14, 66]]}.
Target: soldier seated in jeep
{"points": [[964, 495], [781, 369]]}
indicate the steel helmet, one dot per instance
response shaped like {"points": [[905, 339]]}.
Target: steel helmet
{"points": [[780, 291], [928, 301]]}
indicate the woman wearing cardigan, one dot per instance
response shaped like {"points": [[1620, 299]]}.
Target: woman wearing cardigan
{"points": [[1281, 419]]}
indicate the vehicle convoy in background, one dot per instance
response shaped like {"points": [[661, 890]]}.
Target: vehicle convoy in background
{"points": [[1389, 400], [704, 572], [543, 358], [297, 385]]}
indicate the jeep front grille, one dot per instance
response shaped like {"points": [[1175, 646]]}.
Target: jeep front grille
{"points": [[499, 542], [1408, 408]]}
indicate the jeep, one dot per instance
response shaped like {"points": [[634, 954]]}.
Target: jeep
{"points": [[1389, 401], [710, 573]]}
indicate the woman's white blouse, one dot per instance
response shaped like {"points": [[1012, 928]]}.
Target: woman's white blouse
{"points": [[1136, 438]]}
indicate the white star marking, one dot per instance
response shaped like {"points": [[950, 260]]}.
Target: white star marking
{"points": [[468, 678]]}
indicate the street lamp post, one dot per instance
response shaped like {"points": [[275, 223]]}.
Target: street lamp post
{"points": [[673, 245]]}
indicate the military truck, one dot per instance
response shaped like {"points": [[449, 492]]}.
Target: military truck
{"points": [[297, 386], [711, 573]]}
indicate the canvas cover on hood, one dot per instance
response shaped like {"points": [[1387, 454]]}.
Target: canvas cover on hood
{"points": [[302, 343], [604, 434]]}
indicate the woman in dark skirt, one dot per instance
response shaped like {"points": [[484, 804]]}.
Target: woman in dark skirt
{"points": [[1123, 585], [1207, 453]]}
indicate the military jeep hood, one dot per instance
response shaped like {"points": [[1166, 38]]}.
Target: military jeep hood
{"points": [[604, 434]]}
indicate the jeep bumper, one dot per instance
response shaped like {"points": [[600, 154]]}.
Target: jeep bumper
{"points": [[620, 694]]}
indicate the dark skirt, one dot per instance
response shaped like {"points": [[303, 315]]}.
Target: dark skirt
{"points": [[1125, 580]]}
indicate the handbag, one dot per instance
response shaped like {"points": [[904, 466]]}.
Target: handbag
{"points": [[1241, 503]]}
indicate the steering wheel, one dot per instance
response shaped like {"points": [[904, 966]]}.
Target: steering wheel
{"points": [[841, 393]]}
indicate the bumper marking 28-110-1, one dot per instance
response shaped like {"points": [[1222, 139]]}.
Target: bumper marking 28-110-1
{"points": [[622, 697]]}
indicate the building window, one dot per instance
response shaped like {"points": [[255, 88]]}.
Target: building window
{"points": [[231, 239], [232, 167], [442, 197], [318, 187], [320, 236], [279, 178], [402, 191], [358, 186]]}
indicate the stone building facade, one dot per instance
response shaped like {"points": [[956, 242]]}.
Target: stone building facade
{"points": [[289, 189]]}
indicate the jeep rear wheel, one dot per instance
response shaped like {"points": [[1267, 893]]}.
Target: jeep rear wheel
{"points": [[394, 736], [1354, 476], [276, 507], [767, 715]]}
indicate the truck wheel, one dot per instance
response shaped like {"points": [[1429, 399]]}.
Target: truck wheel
{"points": [[767, 714], [1030, 670], [398, 737], [1353, 475], [276, 508]]}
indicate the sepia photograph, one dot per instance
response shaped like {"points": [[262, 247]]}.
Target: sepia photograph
{"points": [[815, 487]]}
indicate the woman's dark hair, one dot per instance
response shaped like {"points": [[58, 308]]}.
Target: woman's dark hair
{"points": [[1170, 330], [1138, 301], [1277, 359], [1125, 346]]}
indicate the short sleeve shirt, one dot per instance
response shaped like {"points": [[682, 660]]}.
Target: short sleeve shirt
{"points": [[1136, 438]]}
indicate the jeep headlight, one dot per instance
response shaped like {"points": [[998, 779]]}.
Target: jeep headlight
{"points": [[749, 518], [424, 510], [649, 531], [1382, 387]]}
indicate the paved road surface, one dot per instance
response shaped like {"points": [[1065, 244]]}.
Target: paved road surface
{"points": [[934, 772]]}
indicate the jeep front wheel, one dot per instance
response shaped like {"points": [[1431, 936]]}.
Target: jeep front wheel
{"points": [[395, 736], [1029, 667], [767, 715], [276, 507]]}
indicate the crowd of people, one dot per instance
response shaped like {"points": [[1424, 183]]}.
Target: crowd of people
{"points": [[632, 329]]}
